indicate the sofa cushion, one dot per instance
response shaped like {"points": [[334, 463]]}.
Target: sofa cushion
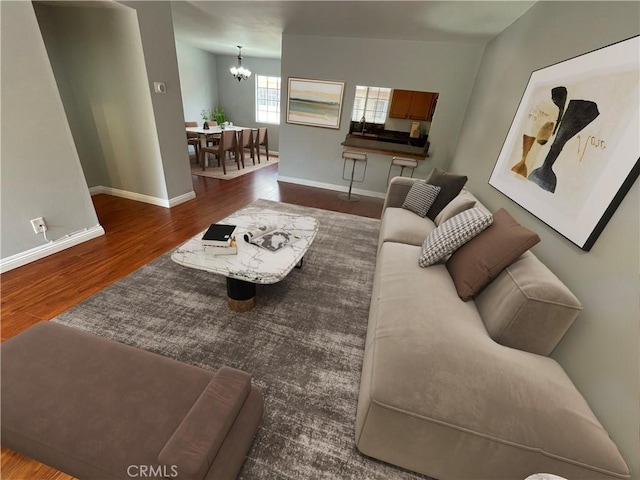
{"points": [[420, 198], [452, 234], [401, 225], [450, 185], [435, 388], [527, 307], [462, 202], [482, 258]]}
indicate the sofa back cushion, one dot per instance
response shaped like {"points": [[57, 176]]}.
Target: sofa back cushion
{"points": [[527, 307]]}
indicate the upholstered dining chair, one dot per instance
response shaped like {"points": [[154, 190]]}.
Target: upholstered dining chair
{"points": [[228, 143], [262, 139], [193, 138], [245, 138], [212, 138]]}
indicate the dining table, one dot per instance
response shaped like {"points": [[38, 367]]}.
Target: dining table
{"points": [[213, 130]]}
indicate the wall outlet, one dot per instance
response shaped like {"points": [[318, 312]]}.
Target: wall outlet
{"points": [[38, 225]]}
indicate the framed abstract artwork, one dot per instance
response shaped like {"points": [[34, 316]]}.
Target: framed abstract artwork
{"points": [[572, 151], [317, 103]]}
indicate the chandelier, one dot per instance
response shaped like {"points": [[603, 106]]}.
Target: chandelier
{"points": [[239, 72]]}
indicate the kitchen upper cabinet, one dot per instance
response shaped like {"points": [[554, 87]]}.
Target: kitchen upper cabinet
{"points": [[413, 105]]}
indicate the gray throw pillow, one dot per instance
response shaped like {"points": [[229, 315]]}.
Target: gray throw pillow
{"points": [[452, 234], [420, 198], [450, 185]]}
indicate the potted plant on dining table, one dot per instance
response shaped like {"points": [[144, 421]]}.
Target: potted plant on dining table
{"points": [[217, 114]]}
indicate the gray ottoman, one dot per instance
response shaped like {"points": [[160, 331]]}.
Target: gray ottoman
{"points": [[98, 409]]}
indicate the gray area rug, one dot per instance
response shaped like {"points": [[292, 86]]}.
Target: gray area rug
{"points": [[303, 343]]}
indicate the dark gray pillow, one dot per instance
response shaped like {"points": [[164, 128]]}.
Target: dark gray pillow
{"points": [[450, 185], [420, 198]]}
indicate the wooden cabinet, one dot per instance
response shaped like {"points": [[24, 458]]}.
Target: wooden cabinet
{"points": [[413, 105]]}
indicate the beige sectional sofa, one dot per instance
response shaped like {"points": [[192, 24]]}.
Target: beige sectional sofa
{"points": [[465, 390]]}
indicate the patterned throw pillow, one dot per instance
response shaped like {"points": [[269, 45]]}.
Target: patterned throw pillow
{"points": [[452, 234], [420, 198]]}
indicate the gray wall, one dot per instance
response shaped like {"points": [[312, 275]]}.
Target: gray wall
{"points": [[600, 352], [106, 60], [41, 172], [239, 98], [206, 83], [96, 54], [313, 154], [158, 43], [198, 81]]}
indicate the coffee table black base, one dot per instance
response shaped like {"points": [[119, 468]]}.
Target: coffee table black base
{"points": [[241, 295]]}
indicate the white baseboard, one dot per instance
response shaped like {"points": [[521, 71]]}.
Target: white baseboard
{"points": [[182, 198], [139, 197], [330, 186], [71, 240]]}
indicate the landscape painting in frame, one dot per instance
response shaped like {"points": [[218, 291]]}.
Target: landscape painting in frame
{"points": [[317, 103], [572, 151]]}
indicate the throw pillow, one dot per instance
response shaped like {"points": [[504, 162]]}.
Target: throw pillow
{"points": [[452, 234], [450, 185], [457, 205], [474, 265], [420, 198]]}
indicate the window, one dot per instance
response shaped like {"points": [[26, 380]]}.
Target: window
{"points": [[267, 99], [371, 103]]}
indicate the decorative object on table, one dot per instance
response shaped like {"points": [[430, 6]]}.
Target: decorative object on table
{"points": [[239, 72], [219, 235], [231, 249], [583, 114], [317, 103], [258, 231], [219, 115], [269, 237]]}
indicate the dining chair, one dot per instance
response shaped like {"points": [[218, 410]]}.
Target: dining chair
{"points": [[245, 137], [212, 138], [193, 138], [228, 143], [262, 139]]}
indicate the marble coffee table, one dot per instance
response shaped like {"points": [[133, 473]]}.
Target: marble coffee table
{"points": [[252, 264]]}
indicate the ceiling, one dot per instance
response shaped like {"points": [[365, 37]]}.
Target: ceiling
{"points": [[258, 25]]}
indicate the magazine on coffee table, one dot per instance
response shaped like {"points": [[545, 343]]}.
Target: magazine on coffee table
{"points": [[270, 237]]}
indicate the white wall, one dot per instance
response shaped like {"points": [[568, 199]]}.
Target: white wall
{"points": [[314, 154], [198, 81], [601, 352], [41, 172]]}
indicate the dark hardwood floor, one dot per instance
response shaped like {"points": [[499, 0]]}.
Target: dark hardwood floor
{"points": [[136, 233]]}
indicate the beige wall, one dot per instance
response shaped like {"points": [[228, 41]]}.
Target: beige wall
{"points": [[600, 353]]}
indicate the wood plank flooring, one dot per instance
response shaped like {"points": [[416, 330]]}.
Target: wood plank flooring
{"points": [[136, 233]]}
